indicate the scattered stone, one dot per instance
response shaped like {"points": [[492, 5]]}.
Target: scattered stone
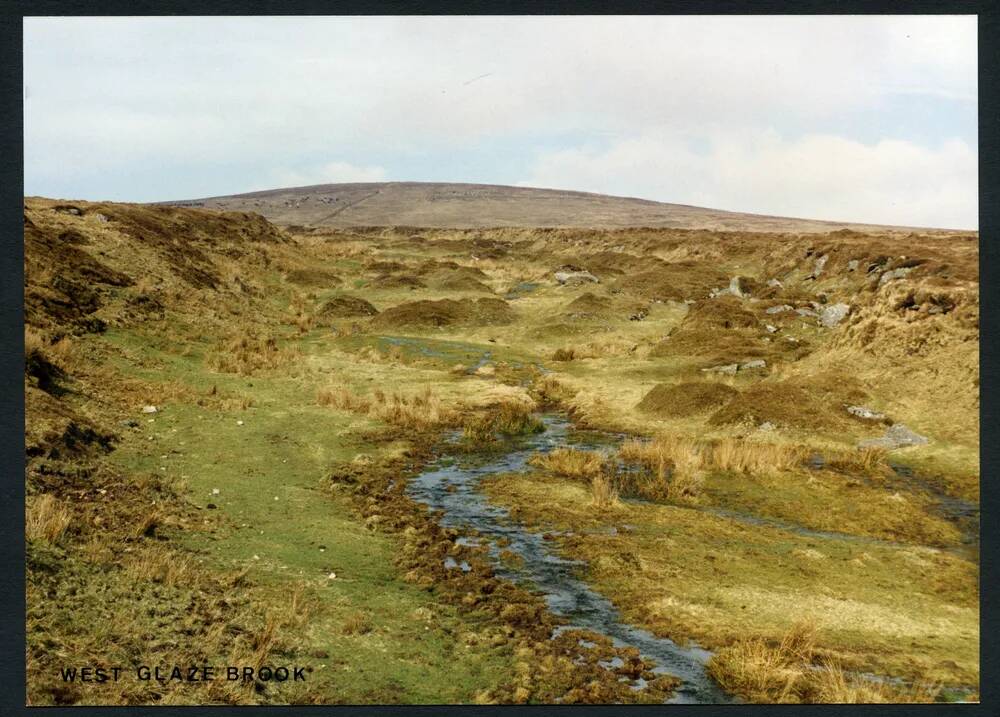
{"points": [[239, 423], [818, 267], [331, 576], [766, 426], [894, 274], [806, 312], [865, 412], [729, 368], [738, 287], [575, 278], [852, 265], [778, 309], [832, 315], [770, 329], [755, 363], [130, 423], [896, 436], [103, 218], [149, 409], [775, 283], [216, 491]]}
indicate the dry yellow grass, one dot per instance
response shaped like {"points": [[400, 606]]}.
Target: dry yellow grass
{"points": [[248, 353], [420, 410], [569, 462], [46, 518], [793, 672], [158, 564], [603, 491]]}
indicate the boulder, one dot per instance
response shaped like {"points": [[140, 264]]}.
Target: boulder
{"points": [[575, 278], [865, 412], [729, 368], [778, 309], [896, 436], [833, 314], [894, 274]]}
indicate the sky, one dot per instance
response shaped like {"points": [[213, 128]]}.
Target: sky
{"points": [[849, 118]]}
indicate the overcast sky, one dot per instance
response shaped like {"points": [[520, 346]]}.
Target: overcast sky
{"points": [[846, 118]]}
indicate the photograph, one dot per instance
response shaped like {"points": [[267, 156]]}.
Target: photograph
{"points": [[500, 360]]}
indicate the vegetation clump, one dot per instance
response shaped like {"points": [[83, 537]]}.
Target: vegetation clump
{"points": [[686, 399]]}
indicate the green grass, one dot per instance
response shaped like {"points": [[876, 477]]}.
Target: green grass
{"points": [[279, 520]]}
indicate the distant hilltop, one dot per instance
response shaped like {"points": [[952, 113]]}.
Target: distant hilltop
{"points": [[448, 205]]}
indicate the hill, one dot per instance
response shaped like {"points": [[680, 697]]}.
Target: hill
{"points": [[440, 205]]}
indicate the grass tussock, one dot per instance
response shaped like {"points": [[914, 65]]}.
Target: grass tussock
{"points": [[420, 410], [792, 671], [358, 623], [157, 564], [249, 353], [570, 462], [603, 491], [46, 519], [508, 418], [686, 399], [550, 390], [675, 467]]}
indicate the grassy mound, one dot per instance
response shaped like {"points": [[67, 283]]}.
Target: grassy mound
{"points": [[345, 306], [448, 312], [675, 281], [685, 399], [313, 277], [397, 281], [816, 402], [590, 304]]}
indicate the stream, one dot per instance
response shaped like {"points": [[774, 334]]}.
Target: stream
{"points": [[451, 486]]}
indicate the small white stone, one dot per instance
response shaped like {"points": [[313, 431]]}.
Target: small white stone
{"points": [[256, 557], [215, 491], [239, 423], [331, 576], [149, 409]]}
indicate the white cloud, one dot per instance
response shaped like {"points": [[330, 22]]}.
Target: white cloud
{"points": [[224, 102], [330, 173], [817, 176]]}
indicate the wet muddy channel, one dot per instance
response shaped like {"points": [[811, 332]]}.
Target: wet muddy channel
{"points": [[451, 486]]}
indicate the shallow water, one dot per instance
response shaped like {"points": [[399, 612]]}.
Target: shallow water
{"points": [[452, 487]]}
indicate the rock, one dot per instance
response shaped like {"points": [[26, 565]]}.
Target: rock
{"points": [[755, 363], [766, 426], [894, 274], [818, 267], [130, 423], [215, 491], [865, 412], [729, 368], [770, 329], [806, 312], [239, 423], [738, 287], [897, 436], [832, 315], [575, 278], [775, 283], [852, 265], [778, 309], [103, 218], [149, 409]]}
